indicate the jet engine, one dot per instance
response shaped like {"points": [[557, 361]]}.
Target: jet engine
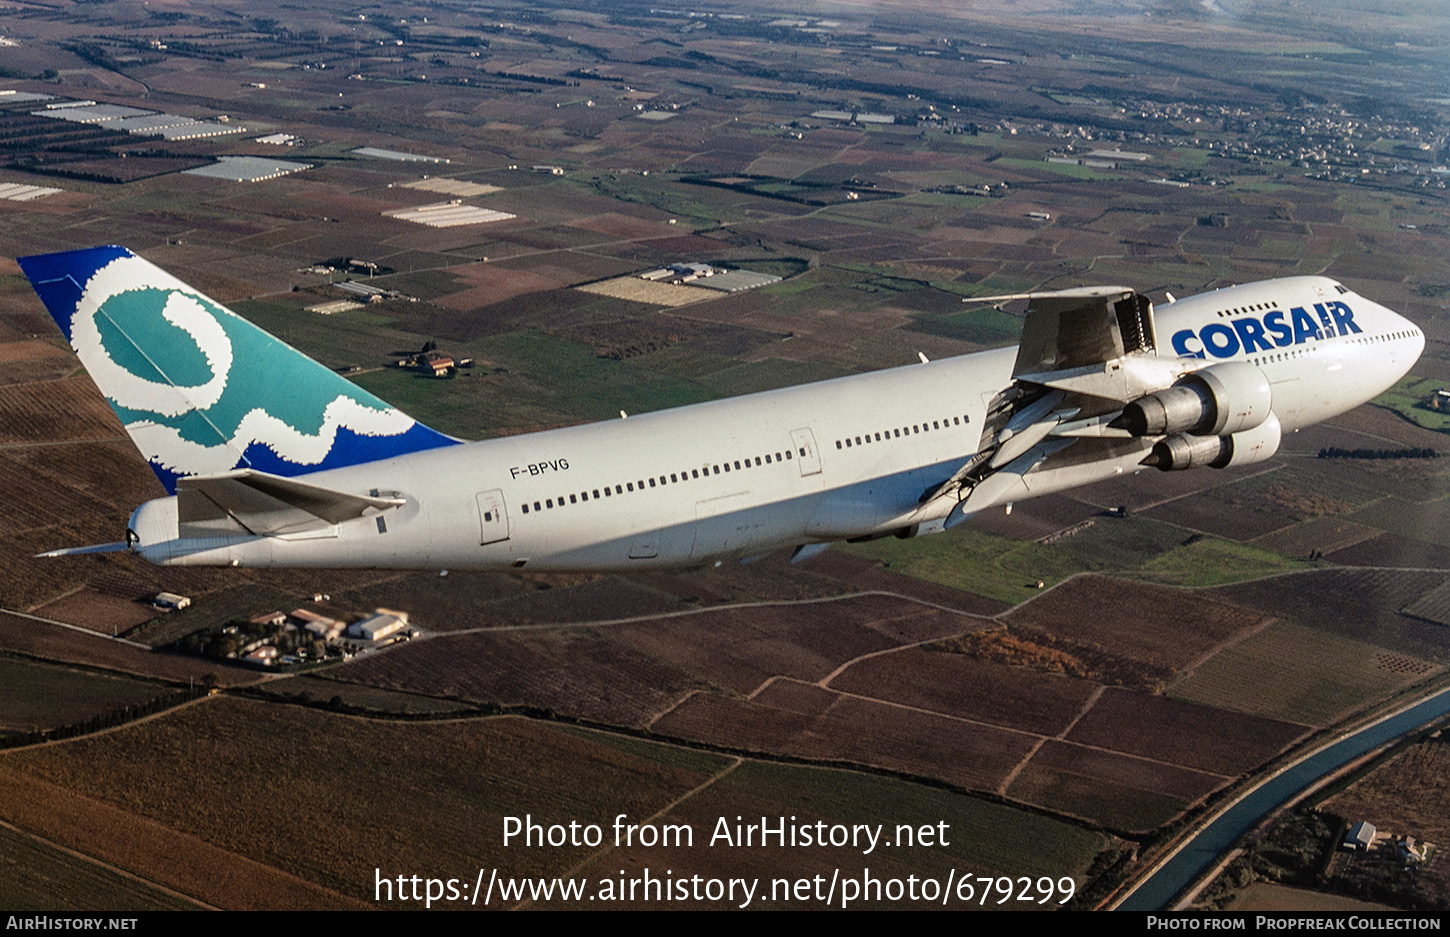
{"points": [[1183, 451], [1219, 400]]}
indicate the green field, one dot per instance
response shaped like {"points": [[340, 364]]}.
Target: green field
{"points": [[536, 378], [1070, 170], [767, 374], [1407, 399], [1213, 561], [974, 561], [983, 326], [1008, 570]]}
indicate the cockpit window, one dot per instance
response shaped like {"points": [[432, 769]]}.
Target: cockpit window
{"points": [[1342, 288]]}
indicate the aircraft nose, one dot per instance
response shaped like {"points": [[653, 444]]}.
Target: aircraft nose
{"points": [[1416, 336], [1411, 342]]}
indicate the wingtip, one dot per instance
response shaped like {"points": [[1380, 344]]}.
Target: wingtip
{"points": [[117, 547]]}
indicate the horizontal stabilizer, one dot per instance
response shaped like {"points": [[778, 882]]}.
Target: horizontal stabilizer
{"points": [[267, 505], [118, 547]]}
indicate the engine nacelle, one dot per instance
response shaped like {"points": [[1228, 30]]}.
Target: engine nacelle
{"points": [[1183, 451], [1215, 401]]}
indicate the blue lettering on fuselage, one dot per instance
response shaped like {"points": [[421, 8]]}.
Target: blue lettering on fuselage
{"points": [[1251, 334]]}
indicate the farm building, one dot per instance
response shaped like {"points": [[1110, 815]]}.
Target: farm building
{"points": [[150, 123], [91, 113], [19, 192], [396, 155], [383, 623], [170, 600], [315, 624], [248, 168], [198, 129], [1360, 836], [11, 96], [448, 215], [455, 187], [733, 281]]}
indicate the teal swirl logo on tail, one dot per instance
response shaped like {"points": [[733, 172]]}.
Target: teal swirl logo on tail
{"points": [[200, 389]]}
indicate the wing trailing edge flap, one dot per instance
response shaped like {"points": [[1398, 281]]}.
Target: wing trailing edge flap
{"points": [[268, 505]]}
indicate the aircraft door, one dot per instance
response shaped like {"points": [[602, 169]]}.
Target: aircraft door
{"points": [[805, 451], [492, 517]]}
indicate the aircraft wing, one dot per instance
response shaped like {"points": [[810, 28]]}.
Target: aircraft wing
{"points": [[1084, 354], [267, 505]]}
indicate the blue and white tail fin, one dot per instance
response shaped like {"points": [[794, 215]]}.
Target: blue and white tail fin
{"points": [[201, 390]]}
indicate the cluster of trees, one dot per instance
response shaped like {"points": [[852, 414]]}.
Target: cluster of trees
{"points": [[1028, 647], [229, 640], [534, 79], [117, 717]]}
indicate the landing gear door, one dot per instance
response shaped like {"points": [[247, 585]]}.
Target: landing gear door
{"points": [[805, 451], [492, 517]]}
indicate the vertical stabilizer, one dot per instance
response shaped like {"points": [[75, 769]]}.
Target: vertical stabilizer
{"points": [[201, 390]]}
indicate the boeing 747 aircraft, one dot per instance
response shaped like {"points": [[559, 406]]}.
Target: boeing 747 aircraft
{"points": [[273, 460]]}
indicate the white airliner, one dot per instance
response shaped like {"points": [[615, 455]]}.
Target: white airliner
{"points": [[274, 460]]}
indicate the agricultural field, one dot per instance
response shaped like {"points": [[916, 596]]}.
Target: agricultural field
{"points": [[630, 672], [1118, 791], [36, 696], [585, 674], [343, 696], [599, 776], [937, 681], [854, 731], [1300, 674], [1052, 848], [1096, 611], [1360, 604], [1266, 897], [46, 879], [56, 644], [1181, 733]]}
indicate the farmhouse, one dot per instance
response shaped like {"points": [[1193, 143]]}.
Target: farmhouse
{"points": [[1360, 836]]}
